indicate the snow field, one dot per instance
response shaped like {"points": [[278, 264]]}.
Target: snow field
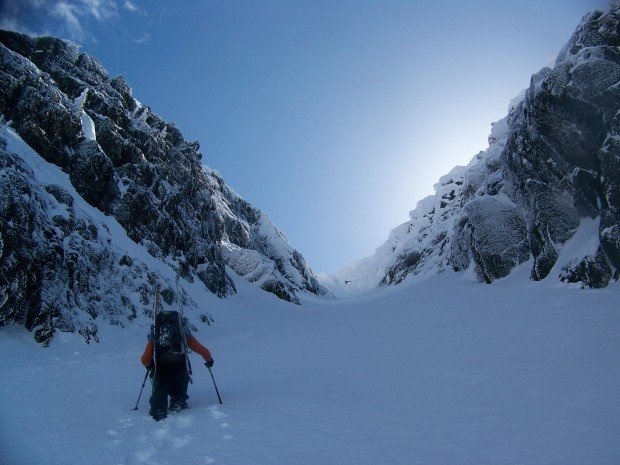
{"points": [[442, 372]]}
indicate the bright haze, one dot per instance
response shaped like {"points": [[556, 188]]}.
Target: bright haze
{"points": [[333, 117]]}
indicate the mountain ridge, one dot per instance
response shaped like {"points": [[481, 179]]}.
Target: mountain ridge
{"points": [[127, 163]]}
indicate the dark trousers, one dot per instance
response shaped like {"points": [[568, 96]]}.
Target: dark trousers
{"points": [[170, 380]]}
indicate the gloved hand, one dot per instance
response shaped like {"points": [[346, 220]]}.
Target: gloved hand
{"points": [[209, 364]]}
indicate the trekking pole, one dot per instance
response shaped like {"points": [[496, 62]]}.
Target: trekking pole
{"points": [[216, 391], [140, 395]]}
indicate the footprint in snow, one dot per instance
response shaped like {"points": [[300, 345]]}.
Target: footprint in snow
{"points": [[181, 421], [160, 433], [160, 437], [217, 414], [142, 456], [125, 422], [165, 435], [115, 439]]}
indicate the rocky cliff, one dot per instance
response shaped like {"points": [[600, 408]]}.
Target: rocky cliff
{"points": [[552, 169], [122, 161]]}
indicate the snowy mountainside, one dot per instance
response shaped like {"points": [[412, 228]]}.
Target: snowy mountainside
{"points": [[553, 164], [59, 253], [127, 163]]}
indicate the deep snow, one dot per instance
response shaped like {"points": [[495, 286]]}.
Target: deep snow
{"points": [[446, 371]]}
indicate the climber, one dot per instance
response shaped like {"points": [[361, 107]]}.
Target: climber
{"points": [[166, 356]]}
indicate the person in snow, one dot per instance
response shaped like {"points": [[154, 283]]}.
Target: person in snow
{"points": [[171, 377]]}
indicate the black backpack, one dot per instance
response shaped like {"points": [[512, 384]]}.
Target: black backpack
{"points": [[169, 338]]}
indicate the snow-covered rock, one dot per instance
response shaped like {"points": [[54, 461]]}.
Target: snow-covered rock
{"points": [[552, 162], [255, 249], [128, 163], [63, 263]]}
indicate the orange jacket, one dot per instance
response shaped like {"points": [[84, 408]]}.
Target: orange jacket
{"points": [[192, 342]]}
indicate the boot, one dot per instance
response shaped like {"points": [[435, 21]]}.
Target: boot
{"points": [[158, 415], [177, 405]]}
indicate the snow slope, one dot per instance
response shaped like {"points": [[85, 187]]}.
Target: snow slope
{"points": [[448, 372]]}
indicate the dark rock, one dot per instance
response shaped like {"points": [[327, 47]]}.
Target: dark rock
{"points": [[592, 272], [93, 176], [126, 261], [498, 237], [278, 289]]}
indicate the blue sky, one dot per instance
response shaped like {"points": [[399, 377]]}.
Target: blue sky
{"points": [[333, 117]]}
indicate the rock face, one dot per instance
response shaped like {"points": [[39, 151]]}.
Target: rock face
{"points": [[63, 263], [552, 165], [126, 162]]}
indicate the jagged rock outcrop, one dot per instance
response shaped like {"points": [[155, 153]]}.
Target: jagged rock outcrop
{"points": [[255, 249], [552, 164], [125, 161]]}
